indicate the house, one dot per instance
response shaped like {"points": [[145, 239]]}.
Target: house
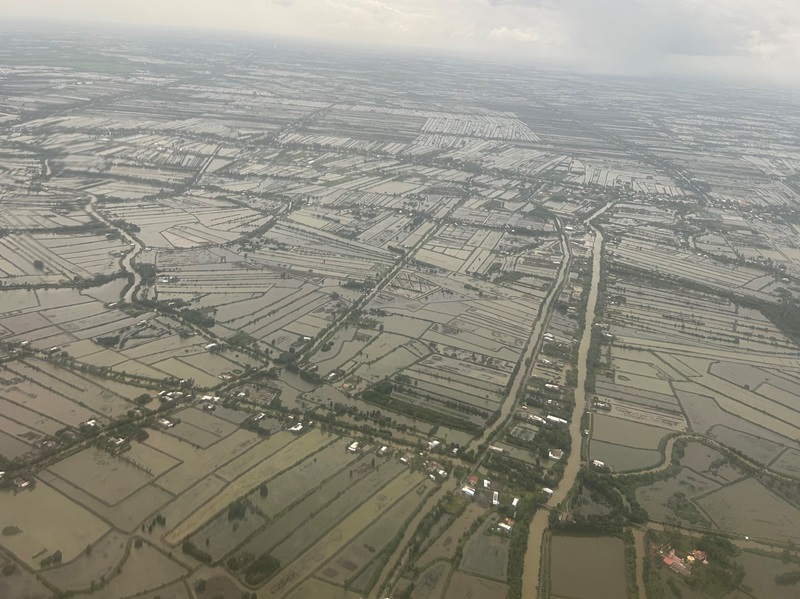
{"points": [[383, 451], [495, 499], [598, 464], [353, 447], [555, 454], [547, 491], [164, 423], [297, 428], [515, 503], [556, 420], [468, 491]]}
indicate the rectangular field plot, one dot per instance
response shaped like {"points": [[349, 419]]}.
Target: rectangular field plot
{"points": [[748, 508], [486, 554], [466, 586], [281, 460], [623, 458], [197, 463], [342, 534], [48, 521], [368, 546], [308, 476], [101, 474], [306, 521], [127, 515], [600, 561], [625, 432]]}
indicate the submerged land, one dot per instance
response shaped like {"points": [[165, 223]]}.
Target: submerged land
{"points": [[281, 321]]}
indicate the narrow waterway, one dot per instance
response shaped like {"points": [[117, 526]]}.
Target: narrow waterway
{"points": [[530, 574], [534, 341]]}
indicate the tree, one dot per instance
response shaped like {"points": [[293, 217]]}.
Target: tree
{"points": [[38, 264], [263, 490]]}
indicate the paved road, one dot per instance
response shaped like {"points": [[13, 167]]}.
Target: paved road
{"points": [[530, 574]]}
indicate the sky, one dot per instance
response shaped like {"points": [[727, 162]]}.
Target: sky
{"points": [[743, 39]]}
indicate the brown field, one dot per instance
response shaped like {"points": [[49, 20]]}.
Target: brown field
{"points": [[21, 583], [128, 514], [445, 546], [760, 572], [321, 590], [49, 522], [600, 560], [340, 535], [465, 586], [106, 554], [370, 543], [334, 511], [433, 581], [101, 474], [287, 488], [748, 508], [160, 569], [151, 459], [284, 458], [187, 503], [197, 463], [328, 504], [256, 454], [486, 553]]}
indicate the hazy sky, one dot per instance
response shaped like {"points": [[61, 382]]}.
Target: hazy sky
{"points": [[759, 38]]}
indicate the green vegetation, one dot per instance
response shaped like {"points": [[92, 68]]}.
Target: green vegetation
{"points": [[200, 318], [192, 550], [788, 578], [684, 509], [261, 569], [240, 339], [381, 394], [518, 545], [237, 510]]}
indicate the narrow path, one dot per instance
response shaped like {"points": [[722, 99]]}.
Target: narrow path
{"points": [[641, 549], [530, 573]]}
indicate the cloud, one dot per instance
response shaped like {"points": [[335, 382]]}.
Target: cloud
{"points": [[515, 34], [630, 36]]}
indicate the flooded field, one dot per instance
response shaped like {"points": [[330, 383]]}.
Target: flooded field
{"points": [[748, 508], [622, 458], [465, 586], [760, 573], [600, 561]]}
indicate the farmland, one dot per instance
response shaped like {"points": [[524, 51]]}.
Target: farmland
{"points": [[599, 559], [276, 324]]}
